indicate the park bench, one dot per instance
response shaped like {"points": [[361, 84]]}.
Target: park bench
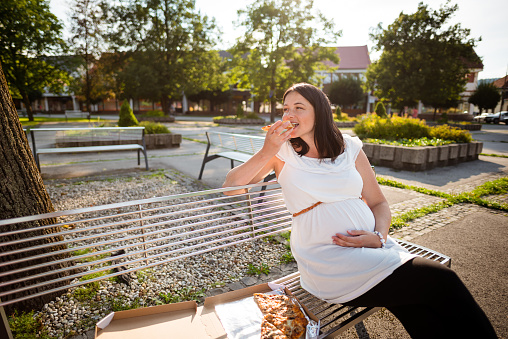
{"points": [[122, 238], [77, 114], [77, 140], [235, 147]]}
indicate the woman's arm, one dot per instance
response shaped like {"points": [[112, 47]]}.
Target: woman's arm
{"points": [[376, 201], [260, 164]]}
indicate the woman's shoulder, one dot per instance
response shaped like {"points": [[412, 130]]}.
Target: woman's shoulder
{"points": [[353, 144]]}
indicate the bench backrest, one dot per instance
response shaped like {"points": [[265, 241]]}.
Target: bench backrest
{"points": [[72, 137], [135, 235], [249, 144]]}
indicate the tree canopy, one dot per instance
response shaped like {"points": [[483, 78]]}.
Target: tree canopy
{"points": [[486, 96], [30, 41], [283, 43], [87, 42], [347, 91], [167, 48], [423, 58]]}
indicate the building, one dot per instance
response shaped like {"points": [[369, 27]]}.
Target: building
{"points": [[502, 84], [354, 61]]}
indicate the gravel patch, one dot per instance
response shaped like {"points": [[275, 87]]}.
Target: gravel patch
{"points": [[77, 311]]}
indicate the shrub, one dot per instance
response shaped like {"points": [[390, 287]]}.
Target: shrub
{"points": [[380, 109], [376, 127], [239, 111], [154, 113], [127, 117], [252, 115], [451, 133], [154, 127]]}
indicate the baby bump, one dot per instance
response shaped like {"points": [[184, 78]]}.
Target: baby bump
{"points": [[317, 226]]}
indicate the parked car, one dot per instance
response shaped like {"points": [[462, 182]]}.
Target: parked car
{"points": [[481, 117], [496, 118]]}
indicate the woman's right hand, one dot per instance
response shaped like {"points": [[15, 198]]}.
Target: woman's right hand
{"points": [[277, 135]]}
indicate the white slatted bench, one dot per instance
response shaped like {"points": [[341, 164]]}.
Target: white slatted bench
{"points": [[93, 139], [235, 147], [151, 233]]}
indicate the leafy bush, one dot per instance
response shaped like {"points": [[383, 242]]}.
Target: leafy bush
{"points": [[154, 113], [395, 128], [380, 109], [127, 117], [154, 127], [240, 113], [451, 133], [252, 115], [399, 128]]}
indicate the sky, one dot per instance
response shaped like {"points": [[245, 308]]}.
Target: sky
{"points": [[486, 19]]}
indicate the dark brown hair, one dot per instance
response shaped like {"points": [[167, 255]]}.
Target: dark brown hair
{"points": [[327, 137]]}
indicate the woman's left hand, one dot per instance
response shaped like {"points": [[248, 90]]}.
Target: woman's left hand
{"points": [[357, 238]]}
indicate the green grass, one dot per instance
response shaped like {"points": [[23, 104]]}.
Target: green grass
{"points": [[495, 187], [27, 326], [38, 120], [257, 270], [494, 155]]}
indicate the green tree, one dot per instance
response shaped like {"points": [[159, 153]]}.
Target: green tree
{"points": [[423, 58], [381, 110], [485, 97], [347, 91], [87, 29], [167, 48], [30, 39], [283, 43], [127, 117]]}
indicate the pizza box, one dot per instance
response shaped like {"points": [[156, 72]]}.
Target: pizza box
{"points": [[180, 320]]}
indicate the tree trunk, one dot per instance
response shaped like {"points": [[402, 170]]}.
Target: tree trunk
{"points": [[28, 105], [434, 117], [22, 193]]}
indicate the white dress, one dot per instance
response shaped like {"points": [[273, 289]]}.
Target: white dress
{"points": [[331, 272]]}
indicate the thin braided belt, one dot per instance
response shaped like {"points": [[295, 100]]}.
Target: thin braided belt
{"points": [[307, 209]]}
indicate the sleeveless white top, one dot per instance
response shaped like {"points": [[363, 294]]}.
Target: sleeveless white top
{"points": [[333, 273]]}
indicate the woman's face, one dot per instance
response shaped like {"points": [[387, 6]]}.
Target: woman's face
{"points": [[301, 114]]}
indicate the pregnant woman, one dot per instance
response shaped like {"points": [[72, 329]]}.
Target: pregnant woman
{"points": [[340, 225]]}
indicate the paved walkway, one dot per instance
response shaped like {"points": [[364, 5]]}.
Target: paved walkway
{"points": [[475, 237]]}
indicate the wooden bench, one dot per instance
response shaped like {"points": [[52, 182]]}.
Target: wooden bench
{"points": [[153, 232], [235, 147], [76, 113], [77, 140]]}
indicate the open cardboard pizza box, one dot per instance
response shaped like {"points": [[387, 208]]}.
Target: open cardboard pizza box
{"points": [[180, 320]]}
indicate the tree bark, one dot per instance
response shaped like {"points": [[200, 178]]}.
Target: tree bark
{"points": [[22, 193]]}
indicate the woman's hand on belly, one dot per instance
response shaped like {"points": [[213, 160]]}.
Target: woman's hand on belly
{"points": [[357, 238]]}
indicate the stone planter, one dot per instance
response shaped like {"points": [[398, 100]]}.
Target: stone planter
{"points": [[155, 141], [421, 158], [152, 141], [231, 121]]}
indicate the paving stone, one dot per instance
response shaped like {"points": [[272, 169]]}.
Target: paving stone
{"points": [[236, 286], [249, 281]]}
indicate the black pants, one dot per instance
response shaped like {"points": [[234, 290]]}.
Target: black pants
{"points": [[430, 301]]}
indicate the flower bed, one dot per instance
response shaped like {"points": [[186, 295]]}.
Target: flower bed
{"points": [[467, 127], [421, 158]]}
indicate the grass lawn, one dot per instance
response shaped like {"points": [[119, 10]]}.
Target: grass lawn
{"points": [[38, 120]]}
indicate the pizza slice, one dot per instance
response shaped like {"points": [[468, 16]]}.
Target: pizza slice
{"points": [[269, 331], [266, 128]]}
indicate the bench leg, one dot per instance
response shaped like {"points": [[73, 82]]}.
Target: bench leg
{"points": [[232, 164], [139, 157], [146, 158]]}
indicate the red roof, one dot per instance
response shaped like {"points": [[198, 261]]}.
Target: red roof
{"points": [[502, 82], [351, 57]]}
